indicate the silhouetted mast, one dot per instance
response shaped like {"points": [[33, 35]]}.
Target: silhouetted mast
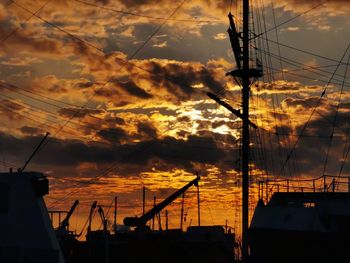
{"points": [[242, 75], [245, 132]]}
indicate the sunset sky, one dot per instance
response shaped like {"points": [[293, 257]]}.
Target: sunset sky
{"points": [[121, 87]]}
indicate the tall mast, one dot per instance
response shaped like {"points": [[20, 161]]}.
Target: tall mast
{"points": [[245, 132], [242, 75]]}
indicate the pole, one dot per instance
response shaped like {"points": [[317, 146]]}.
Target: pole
{"points": [[35, 151], [245, 141], [115, 214], [143, 200], [182, 210], [199, 210], [166, 220], [154, 204]]}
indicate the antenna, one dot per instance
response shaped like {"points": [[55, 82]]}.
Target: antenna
{"points": [[34, 152]]}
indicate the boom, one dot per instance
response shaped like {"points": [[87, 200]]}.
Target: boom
{"points": [[65, 222], [142, 221]]}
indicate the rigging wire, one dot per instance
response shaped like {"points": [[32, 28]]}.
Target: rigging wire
{"points": [[141, 148], [335, 117], [14, 31], [308, 68], [145, 16], [345, 156], [291, 19], [99, 49], [268, 61], [126, 62], [339, 63], [267, 76], [313, 110], [294, 165]]}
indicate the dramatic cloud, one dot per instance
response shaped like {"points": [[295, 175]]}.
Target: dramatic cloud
{"points": [[71, 153], [78, 113], [122, 92]]}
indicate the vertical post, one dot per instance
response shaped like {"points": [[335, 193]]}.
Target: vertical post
{"points": [[182, 210], [333, 185], [313, 185], [90, 223], [159, 222], [245, 132], [349, 184], [166, 220], [198, 202], [51, 218], [287, 186], [143, 200], [324, 183], [115, 214], [59, 218], [154, 204]]}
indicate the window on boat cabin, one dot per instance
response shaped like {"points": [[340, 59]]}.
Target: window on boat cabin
{"points": [[4, 198], [309, 204], [301, 204]]}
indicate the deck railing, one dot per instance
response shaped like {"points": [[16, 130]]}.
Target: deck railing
{"points": [[325, 183]]}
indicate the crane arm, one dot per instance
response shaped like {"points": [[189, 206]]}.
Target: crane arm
{"points": [[142, 221], [65, 221]]}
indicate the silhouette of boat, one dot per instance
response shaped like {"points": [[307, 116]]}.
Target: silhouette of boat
{"points": [[26, 235], [302, 226]]}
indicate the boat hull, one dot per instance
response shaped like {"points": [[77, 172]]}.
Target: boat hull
{"points": [[269, 246]]}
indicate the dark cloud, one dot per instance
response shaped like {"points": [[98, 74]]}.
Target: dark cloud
{"points": [[146, 130], [77, 112], [24, 39], [11, 109], [132, 89], [7, 86], [114, 120], [113, 135], [308, 156], [284, 87], [179, 78], [301, 2], [28, 130], [70, 153], [105, 2], [304, 104]]}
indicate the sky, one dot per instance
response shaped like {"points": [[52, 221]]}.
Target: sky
{"points": [[121, 88]]}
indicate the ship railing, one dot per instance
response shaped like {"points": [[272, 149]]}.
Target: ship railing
{"points": [[56, 217], [325, 183]]}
